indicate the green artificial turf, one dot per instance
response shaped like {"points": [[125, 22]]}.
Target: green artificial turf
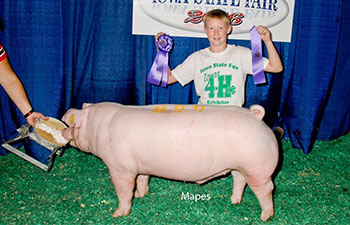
{"points": [[310, 189]]}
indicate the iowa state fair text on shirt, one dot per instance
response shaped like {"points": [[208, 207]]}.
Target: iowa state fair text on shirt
{"points": [[253, 4]]}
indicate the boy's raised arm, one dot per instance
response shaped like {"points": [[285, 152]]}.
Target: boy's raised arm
{"points": [[275, 63], [171, 78]]}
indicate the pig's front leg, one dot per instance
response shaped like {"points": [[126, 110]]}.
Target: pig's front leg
{"points": [[124, 186], [141, 186], [239, 183]]}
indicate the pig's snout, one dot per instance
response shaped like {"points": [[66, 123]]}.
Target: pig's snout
{"points": [[67, 133]]}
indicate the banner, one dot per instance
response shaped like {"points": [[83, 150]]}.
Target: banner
{"points": [[184, 17]]}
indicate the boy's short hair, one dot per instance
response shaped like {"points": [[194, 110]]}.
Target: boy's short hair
{"points": [[217, 14]]}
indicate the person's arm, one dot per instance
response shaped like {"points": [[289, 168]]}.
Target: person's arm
{"points": [[14, 88], [275, 63], [171, 78]]}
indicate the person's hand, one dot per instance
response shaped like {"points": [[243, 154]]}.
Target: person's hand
{"points": [[264, 33], [156, 38], [34, 116]]}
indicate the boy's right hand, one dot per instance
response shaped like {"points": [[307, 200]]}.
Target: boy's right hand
{"points": [[156, 38]]}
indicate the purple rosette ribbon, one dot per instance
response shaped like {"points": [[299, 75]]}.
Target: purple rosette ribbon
{"points": [[257, 59], [159, 70]]}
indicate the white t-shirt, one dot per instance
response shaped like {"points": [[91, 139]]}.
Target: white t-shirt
{"points": [[219, 78]]}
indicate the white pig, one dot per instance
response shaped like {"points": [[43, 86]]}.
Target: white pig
{"points": [[191, 143]]}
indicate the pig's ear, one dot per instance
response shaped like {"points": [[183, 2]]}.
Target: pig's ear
{"points": [[258, 111], [72, 118], [86, 105]]}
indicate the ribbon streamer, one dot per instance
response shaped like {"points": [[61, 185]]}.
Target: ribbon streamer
{"points": [[159, 70], [257, 59]]}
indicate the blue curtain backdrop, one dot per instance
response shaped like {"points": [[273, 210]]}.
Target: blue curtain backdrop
{"points": [[67, 52], [32, 37]]}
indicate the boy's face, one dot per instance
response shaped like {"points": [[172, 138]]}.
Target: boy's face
{"points": [[217, 31]]}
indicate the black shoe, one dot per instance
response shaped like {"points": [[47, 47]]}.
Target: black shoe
{"points": [[279, 132]]}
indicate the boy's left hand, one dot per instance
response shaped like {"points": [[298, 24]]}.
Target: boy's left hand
{"points": [[264, 33]]}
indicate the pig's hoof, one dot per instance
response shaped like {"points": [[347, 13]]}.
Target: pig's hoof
{"points": [[120, 212], [141, 194], [266, 215], [235, 200]]}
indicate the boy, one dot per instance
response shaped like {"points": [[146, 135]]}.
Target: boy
{"points": [[219, 72]]}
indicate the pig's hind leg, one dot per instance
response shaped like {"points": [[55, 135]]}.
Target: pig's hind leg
{"points": [[124, 186], [141, 185], [262, 189], [239, 183]]}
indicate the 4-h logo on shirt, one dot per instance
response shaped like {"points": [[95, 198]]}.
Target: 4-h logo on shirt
{"points": [[224, 88]]}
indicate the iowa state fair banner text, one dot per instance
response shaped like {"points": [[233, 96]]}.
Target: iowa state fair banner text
{"points": [[184, 17]]}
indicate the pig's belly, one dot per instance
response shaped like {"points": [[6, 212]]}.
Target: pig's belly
{"points": [[187, 162], [189, 176]]}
